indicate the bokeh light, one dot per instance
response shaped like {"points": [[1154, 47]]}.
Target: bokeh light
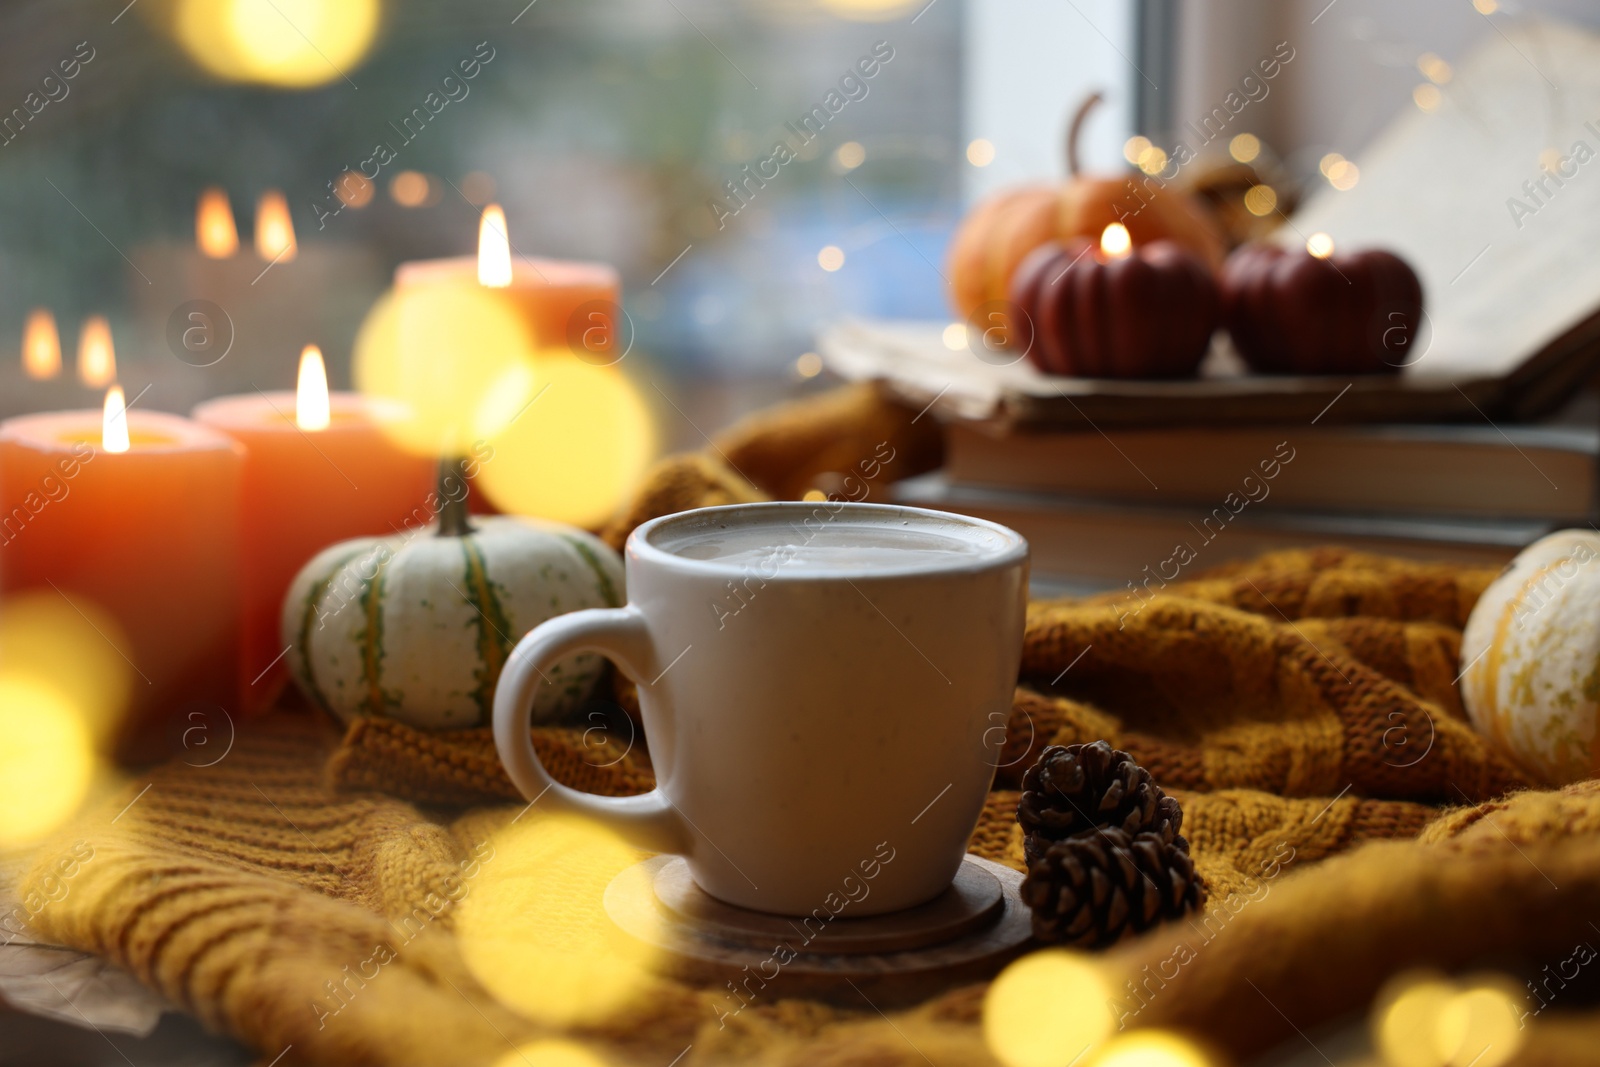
{"points": [[73, 647], [1244, 147], [850, 155], [1153, 160], [1434, 69], [410, 188], [1260, 200], [292, 44], [63, 691], [1046, 1009], [1151, 1048], [1343, 175], [214, 229], [46, 762], [1135, 147], [980, 153], [1320, 245], [1479, 1026], [455, 358], [275, 241], [1427, 96], [553, 1053], [1405, 1019], [97, 356], [808, 365], [1423, 1020], [830, 258], [576, 452], [534, 930], [354, 189], [955, 336], [41, 345]]}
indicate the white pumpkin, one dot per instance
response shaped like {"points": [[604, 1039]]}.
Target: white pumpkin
{"points": [[1530, 658], [416, 627]]}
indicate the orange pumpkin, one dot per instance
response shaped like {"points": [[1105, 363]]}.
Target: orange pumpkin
{"points": [[999, 233]]}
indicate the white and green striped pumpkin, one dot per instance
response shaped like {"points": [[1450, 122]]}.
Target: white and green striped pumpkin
{"points": [[416, 627]]}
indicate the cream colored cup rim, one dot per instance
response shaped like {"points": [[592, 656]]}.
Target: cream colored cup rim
{"points": [[1009, 549]]}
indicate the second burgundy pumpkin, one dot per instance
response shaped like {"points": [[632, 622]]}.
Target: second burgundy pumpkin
{"points": [[1290, 312]]}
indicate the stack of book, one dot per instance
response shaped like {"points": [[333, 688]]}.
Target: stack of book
{"points": [[1102, 510]]}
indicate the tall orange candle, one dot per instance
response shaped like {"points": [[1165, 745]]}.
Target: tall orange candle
{"points": [[568, 305], [136, 513], [317, 470]]}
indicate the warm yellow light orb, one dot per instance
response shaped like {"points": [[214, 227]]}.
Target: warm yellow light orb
{"points": [[1151, 1048], [455, 358], [551, 1053], [1405, 1021], [1046, 1009], [577, 451], [46, 762], [1480, 1026], [1152, 160], [1244, 147], [534, 929], [73, 648], [294, 44], [1261, 200]]}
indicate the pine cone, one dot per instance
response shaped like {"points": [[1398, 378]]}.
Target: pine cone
{"points": [[1074, 788], [1093, 889]]}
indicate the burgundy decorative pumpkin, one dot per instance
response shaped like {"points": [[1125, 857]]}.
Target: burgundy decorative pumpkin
{"points": [[1295, 312], [1114, 312]]}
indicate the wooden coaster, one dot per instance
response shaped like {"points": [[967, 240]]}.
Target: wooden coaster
{"points": [[970, 903], [965, 934]]}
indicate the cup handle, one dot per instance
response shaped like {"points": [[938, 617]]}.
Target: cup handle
{"points": [[647, 821]]}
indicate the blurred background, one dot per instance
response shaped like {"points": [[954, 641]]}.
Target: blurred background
{"points": [[608, 130]]}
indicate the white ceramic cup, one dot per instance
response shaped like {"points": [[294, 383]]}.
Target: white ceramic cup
{"points": [[824, 708]]}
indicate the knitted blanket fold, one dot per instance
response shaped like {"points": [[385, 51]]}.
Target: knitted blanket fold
{"points": [[313, 892]]}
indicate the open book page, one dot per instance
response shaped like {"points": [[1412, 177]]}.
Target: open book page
{"points": [[1506, 249]]}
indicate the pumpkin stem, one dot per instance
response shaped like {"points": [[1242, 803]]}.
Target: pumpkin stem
{"points": [[453, 491], [1077, 125]]}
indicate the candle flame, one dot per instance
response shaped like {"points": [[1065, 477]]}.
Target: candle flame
{"points": [[494, 249], [41, 346], [311, 391], [274, 231], [97, 360], [1320, 245], [1115, 241], [114, 423], [214, 230]]}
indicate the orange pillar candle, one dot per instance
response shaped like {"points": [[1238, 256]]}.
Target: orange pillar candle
{"points": [[568, 305], [136, 513], [317, 470]]}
